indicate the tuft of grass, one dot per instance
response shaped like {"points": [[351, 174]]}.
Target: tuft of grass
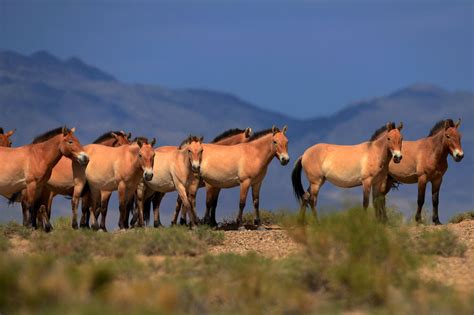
{"points": [[469, 215], [442, 242], [12, 228], [355, 257]]}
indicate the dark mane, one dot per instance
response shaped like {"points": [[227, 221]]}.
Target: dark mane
{"points": [[227, 134], [142, 139], [440, 125], [48, 135], [379, 131], [262, 133], [1, 131], [190, 139], [107, 136]]}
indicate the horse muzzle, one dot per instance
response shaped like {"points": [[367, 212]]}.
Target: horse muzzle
{"points": [[284, 159], [458, 155], [148, 176], [82, 158], [196, 168], [397, 156]]}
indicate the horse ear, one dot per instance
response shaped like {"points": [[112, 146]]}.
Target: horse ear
{"points": [[274, 129], [248, 132], [129, 135], [73, 129], [8, 134], [139, 142], [458, 123], [114, 135], [285, 128], [201, 139], [447, 124], [153, 142], [389, 126], [400, 126], [65, 131]]}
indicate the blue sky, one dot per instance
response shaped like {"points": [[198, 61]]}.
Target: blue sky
{"points": [[299, 58]]}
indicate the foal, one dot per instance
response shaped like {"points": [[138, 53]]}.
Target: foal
{"points": [[349, 166], [426, 160]]}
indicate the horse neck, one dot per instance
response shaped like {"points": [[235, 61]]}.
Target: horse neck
{"points": [[133, 155], [235, 139], [109, 142], [381, 145], [49, 151], [438, 147], [264, 147]]}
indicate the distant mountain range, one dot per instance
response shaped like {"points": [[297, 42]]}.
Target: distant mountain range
{"points": [[40, 92]]}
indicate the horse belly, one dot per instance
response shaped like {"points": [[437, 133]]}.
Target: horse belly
{"points": [[343, 177], [161, 185], [222, 182]]}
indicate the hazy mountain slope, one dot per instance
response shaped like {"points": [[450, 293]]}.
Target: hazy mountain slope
{"points": [[40, 92]]}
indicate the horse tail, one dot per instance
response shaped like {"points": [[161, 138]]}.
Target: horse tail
{"points": [[296, 179], [14, 198]]}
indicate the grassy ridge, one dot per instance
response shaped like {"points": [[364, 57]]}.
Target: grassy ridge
{"points": [[348, 261]]}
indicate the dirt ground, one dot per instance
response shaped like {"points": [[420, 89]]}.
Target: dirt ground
{"points": [[455, 271]]}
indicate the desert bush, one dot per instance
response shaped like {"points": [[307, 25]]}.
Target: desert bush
{"points": [[469, 215], [440, 241], [14, 229]]}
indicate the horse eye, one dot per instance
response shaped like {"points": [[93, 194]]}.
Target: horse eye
{"points": [[447, 136], [388, 139], [274, 142], [139, 155], [70, 142]]}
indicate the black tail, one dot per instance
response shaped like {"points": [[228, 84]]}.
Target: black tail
{"points": [[296, 180], [14, 198]]}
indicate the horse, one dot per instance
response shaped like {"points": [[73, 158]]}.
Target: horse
{"points": [[29, 168], [243, 165], [228, 137], [178, 168], [426, 160], [67, 173], [5, 138], [117, 168], [348, 166]]}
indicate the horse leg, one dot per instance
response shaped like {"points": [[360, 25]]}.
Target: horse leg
{"points": [[156, 200], [187, 207], [177, 209], [210, 196], [49, 203], [435, 186], [122, 193], [244, 188], [378, 201], [184, 213], [26, 212], [86, 204], [313, 195], [104, 204], [366, 186], [421, 197], [30, 196], [214, 207], [256, 204], [76, 195]]}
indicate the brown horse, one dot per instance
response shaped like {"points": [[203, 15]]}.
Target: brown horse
{"points": [[177, 170], [426, 160], [117, 168], [349, 166], [29, 167], [243, 165], [67, 173], [5, 138]]}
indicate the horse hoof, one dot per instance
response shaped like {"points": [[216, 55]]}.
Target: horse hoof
{"points": [[157, 224], [261, 228], [95, 227], [182, 221], [48, 228], [74, 225], [84, 226], [437, 222], [242, 228]]}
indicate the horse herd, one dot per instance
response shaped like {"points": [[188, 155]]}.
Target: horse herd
{"points": [[55, 163]]}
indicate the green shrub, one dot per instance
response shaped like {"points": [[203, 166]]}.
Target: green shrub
{"points": [[440, 241]]}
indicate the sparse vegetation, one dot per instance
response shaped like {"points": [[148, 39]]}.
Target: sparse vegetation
{"points": [[347, 261], [469, 215]]}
